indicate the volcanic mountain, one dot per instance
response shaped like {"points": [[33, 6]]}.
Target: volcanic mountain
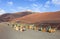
{"points": [[46, 17], [9, 16]]}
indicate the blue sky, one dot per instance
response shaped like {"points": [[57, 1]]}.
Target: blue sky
{"points": [[8, 6]]}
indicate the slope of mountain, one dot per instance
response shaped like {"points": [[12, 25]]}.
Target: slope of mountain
{"points": [[46, 17], [9, 16]]}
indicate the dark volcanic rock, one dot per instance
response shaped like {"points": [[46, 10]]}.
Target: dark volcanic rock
{"points": [[9, 16]]}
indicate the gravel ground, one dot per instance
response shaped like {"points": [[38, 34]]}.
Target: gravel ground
{"points": [[6, 32]]}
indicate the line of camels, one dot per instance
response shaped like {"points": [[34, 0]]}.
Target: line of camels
{"points": [[45, 27]]}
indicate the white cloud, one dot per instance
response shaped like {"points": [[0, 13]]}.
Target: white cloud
{"points": [[2, 11], [41, 7], [56, 2], [34, 4], [10, 3], [33, 7], [52, 2], [36, 7], [23, 8], [47, 4]]}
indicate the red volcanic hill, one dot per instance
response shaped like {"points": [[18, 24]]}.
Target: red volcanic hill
{"points": [[46, 17], [9, 16]]}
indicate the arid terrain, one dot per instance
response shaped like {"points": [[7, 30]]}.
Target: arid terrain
{"points": [[9, 16], [7, 32], [31, 17], [48, 17]]}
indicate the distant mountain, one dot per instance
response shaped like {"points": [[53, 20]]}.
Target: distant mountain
{"points": [[37, 17], [31, 17], [9, 16]]}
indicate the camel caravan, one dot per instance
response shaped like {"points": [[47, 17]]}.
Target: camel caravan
{"points": [[44, 27]]}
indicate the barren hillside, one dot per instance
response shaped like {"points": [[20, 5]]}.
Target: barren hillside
{"points": [[40, 17]]}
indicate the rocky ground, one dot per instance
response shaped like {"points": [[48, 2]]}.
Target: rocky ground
{"points": [[6, 32]]}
